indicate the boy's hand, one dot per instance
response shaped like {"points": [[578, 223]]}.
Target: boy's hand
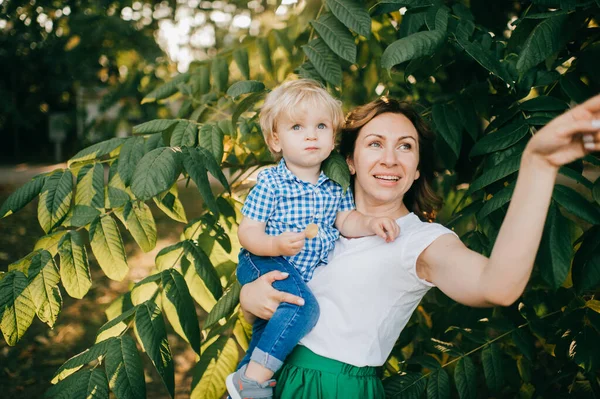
{"points": [[385, 228], [289, 243]]}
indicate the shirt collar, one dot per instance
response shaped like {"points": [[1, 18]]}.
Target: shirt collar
{"points": [[287, 174]]}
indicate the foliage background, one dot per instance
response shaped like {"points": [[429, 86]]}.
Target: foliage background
{"points": [[487, 75]]}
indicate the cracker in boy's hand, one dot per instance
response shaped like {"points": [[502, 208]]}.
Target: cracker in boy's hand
{"points": [[311, 230]]}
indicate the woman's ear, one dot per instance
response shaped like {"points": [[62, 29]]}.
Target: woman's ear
{"points": [[417, 174], [350, 163]]}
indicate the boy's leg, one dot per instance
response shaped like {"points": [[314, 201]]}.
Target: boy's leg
{"points": [[289, 322]]}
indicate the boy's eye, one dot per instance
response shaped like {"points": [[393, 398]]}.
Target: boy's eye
{"points": [[322, 126], [296, 127]]}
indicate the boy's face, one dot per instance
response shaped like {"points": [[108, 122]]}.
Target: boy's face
{"points": [[305, 140]]}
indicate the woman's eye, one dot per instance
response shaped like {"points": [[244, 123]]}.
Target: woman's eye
{"points": [[296, 127], [321, 126], [375, 144], [405, 146]]}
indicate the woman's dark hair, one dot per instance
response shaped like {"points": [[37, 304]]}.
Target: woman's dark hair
{"points": [[420, 198]]}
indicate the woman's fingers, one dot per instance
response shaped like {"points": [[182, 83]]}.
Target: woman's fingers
{"points": [[273, 276], [289, 298]]}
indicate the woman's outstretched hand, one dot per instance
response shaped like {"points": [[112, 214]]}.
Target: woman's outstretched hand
{"points": [[569, 136], [260, 299]]}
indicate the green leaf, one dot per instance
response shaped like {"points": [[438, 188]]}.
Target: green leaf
{"points": [[465, 378], [438, 386], [417, 45], [216, 363], [245, 87], [448, 124], [96, 151], [491, 357], [116, 193], [324, 61], [495, 173], [50, 242], [90, 186], [194, 164], [156, 172], [499, 199], [220, 73], [545, 39], [573, 87], [108, 249], [554, 256], [153, 336], [117, 326], [124, 369], [198, 289], [55, 199], [185, 322], [204, 268], [574, 203], [82, 215], [21, 265], [353, 14], [184, 134], [586, 264], [166, 90], [596, 191], [437, 18], [89, 384], [501, 139], [211, 138], [43, 285], [469, 118], [169, 203], [16, 306], [130, 155], [78, 361], [409, 385], [224, 306], [138, 219], [576, 176], [264, 52], [22, 196], [154, 126], [336, 168], [336, 36], [544, 103], [213, 167], [486, 59], [240, 55], [168, 256], [245, 105]]}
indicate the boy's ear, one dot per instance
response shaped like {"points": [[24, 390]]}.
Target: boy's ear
{"points": [[274, 142]]}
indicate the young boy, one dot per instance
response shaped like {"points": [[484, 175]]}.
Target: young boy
{"points": [[299, 121]]}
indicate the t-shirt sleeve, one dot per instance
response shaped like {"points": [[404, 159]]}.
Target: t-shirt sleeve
{"points": [[261, 201], [346, 201], [417, 242]]}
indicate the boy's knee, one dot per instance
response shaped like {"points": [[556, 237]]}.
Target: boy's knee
{"points": [[311, 309]]}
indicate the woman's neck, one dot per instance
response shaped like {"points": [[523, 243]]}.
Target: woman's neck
{"points": [[392, 210]]}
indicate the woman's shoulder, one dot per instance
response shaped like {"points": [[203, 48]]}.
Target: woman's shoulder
{"points": [[415, 229]]}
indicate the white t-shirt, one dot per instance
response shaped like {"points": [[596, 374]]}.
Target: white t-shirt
{"points": [[368, 292]]}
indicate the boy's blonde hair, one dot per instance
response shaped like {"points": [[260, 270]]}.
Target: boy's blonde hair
{"points": [[286, 98]]}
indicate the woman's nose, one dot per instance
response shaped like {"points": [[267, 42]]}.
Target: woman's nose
{"points": [[388, 157]]}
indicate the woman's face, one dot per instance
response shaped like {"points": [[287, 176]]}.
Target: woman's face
{"points": [[384, 163]]}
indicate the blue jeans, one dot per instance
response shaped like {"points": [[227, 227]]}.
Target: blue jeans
{"points": [[272, 340]]}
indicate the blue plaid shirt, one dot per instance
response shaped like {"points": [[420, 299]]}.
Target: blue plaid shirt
{"points": [[287, 203]]}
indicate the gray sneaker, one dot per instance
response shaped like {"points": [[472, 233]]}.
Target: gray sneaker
{"points": [[241, 387]]}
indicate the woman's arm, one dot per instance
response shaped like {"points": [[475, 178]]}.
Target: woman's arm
{"points": [[475, 280], [260, 299]]}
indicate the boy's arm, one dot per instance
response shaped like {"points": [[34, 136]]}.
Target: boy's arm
{"points": [[355, 224], [253, 237]]}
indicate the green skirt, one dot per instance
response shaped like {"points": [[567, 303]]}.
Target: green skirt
{"points": [[306, 375]]}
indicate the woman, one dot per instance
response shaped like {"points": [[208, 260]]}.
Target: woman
{"points": [[365, 304]]}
